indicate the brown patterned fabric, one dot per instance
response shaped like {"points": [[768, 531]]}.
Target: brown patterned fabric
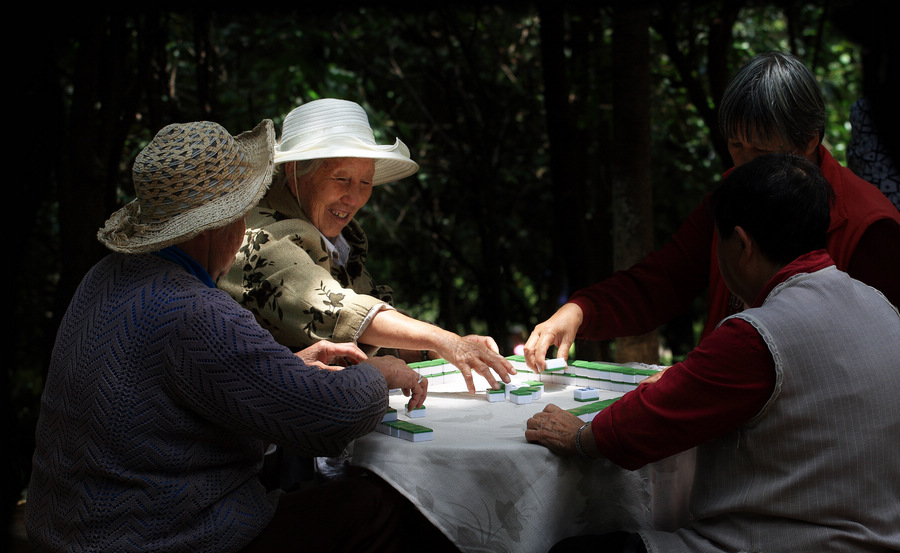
{"points": [[284, 275]]}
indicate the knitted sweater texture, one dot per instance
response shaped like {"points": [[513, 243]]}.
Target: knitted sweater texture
{"points": [[160, 399]]}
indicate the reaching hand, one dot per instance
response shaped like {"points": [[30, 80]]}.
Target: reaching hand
{"points": [[483, 340], [476, 353], [399, 375], [327, 355], [480, 354], [559, 330]]}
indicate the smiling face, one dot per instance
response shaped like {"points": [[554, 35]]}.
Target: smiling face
{"points": [[332, 194]]}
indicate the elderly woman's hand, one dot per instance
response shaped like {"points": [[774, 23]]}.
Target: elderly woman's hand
{"points": [[398, 375], [483, 340], [390, 328], [331, 356], [475, 353], [559, 330], [555, 428]]}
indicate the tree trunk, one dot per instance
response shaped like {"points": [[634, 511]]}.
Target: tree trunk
{"points": [[632, 195], [581, 241]]}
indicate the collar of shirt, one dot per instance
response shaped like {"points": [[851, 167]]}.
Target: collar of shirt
{"points": [[339, 250], [176, 255], [806, 263]]}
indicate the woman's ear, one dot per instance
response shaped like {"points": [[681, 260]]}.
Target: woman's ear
{"points": [[748, 247], [810, 151], [289, 173]]}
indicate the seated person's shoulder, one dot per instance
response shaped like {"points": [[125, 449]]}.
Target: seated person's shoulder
{"points": [[276, 225], [262, 216]]}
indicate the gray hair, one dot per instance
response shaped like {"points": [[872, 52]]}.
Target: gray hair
{"points": [[305, 167], [776, 97]]}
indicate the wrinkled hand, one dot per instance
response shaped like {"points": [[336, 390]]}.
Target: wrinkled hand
{"points": [[331, 356], [476, 353], [559, 330], [555, 429], [486, 341], [399, 375]]}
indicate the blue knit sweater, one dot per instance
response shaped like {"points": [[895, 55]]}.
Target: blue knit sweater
{"points": [[160, 397]]}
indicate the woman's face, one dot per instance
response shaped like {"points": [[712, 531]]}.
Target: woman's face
{"points": [[745, 148], [333, 193]]}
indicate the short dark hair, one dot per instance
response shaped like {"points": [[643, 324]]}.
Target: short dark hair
{"points": [[781, 200], [776, 97]]}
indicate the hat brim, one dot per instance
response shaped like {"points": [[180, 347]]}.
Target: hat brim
{"points": [[392, 162], [125, 231]]}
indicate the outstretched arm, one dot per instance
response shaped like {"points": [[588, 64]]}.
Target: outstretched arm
{"points": [[392, 329]]}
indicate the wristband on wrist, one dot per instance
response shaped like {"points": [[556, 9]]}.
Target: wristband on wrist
{"points": [[578, 440]]}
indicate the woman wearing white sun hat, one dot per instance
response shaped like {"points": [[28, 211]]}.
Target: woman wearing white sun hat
{"points": [[301, 269]]}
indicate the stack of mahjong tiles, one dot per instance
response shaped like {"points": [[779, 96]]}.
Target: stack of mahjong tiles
{"points": [[441, 371], [604, 376], [520, 393], [589, 376], [391, 425], [588, 411], [437, 371]]}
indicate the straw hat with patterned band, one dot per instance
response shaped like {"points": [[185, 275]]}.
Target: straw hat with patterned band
{"points": [[339, 128], [192, 177]]}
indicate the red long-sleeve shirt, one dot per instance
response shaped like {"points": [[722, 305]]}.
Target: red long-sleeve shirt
{"points": [[722, 383], [863, 239]]}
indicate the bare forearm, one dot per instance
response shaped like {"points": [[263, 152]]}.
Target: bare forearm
{"points": [[392, 329]]}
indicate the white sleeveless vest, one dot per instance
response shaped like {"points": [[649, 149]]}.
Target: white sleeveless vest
{"points": [[818, 469]]}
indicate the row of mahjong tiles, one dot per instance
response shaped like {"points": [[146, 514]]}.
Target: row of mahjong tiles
{"points": [[604, 376]]}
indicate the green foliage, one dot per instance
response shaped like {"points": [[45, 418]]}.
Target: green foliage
{"points": [[467, 241]]}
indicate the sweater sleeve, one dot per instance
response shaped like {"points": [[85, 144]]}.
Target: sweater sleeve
{"points": [[653, 291], [229, 369], [724, 382]]}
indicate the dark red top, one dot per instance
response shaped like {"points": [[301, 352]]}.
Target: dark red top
{"points": [[863, 240], [722, 383]]}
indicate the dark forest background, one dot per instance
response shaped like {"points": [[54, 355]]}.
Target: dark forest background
{"points": [[558, 141]]}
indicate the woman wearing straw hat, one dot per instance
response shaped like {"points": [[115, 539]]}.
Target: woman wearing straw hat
{"points": [[301, 268], [163, 392]]}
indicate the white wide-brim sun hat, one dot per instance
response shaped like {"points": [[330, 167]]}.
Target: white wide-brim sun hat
{"points": [[192, 177], [330, 128]]}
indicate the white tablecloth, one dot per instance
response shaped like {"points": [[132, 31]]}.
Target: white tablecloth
{"points": [[488, 489]]}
